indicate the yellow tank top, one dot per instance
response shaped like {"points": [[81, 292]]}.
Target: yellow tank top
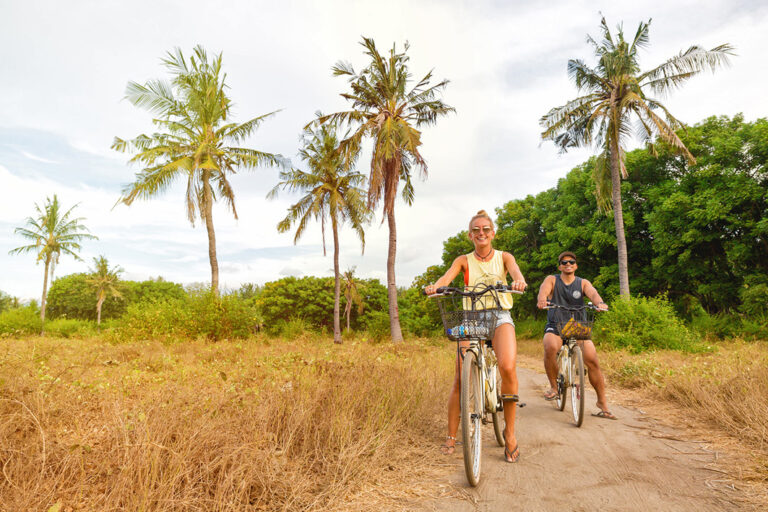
{"points": [[488, 272]]}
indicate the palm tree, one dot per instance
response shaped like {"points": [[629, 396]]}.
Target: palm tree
{"points": [[51, 233], [104, 281], [388, 110], [333, 194], [197, 141], [616, 92], [351, 294]]}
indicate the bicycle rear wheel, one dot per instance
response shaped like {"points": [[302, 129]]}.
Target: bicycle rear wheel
{"points": [[577, 385], [562, 377], [471, 416], [497, 415]]}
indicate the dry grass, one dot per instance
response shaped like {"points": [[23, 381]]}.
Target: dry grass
{"points": [[301, 425]]}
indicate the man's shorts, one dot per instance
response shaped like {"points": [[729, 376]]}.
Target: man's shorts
{"points": [[551, 329]]}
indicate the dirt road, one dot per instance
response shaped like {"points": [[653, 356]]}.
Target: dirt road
{"points": [[631, 464]]}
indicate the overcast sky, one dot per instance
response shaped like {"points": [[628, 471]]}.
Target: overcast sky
{"points": [[65, 66]]}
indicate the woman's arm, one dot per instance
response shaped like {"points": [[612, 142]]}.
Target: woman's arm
{"points": [[514, 271], [459, 265]]}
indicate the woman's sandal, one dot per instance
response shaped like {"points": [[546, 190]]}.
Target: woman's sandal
{"points": [[448, 449], [511, 456]]}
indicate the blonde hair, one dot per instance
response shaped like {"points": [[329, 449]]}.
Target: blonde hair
{"points": [[481, 215]]}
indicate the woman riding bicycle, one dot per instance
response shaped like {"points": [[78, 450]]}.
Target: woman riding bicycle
{"points": [[485, 265]]}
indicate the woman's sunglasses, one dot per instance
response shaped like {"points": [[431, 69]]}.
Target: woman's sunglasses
{"points": [[485, 229], [568, 262]]}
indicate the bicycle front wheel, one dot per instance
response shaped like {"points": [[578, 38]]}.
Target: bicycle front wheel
{"points": [[497, 415], [562, 378], [577, 386], [471, 416]]}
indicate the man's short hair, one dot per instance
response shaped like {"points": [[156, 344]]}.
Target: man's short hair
{"points": [[564, 254]]}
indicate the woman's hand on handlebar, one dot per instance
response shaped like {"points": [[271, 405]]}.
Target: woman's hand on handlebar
{"points": [[518, 286]]}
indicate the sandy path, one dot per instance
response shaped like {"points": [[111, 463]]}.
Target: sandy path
{"points": [[631, 464]]}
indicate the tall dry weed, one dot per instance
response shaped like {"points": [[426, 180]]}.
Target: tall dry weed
{"points": [[221, 427]]}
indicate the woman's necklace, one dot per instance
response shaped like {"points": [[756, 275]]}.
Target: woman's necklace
{"points": [[482, 258]]}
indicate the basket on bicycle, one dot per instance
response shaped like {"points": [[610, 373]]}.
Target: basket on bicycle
{"points": [[462, 324], [575, 324]]}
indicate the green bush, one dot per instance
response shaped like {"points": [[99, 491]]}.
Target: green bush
{"points": [[377, 325], [311, 299], [70, 328], [642, 324], [419, 315], [20, 321], [71, 296], [201, 314], [529, 328]]}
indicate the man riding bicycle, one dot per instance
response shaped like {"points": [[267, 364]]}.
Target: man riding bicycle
{"points": [[569, 290]]}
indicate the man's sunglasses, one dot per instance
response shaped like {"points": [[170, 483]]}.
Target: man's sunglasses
{"points": [[485, 229], [568, 262]]}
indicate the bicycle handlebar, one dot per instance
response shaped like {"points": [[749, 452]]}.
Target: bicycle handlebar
{"points": [[449, 290], [552, 305]]}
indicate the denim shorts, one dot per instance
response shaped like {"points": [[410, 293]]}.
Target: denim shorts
{"points": [[503, 317]]}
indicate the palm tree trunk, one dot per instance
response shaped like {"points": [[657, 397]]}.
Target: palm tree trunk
{"points": [[208, 209], [98, 310], [618, 220], [336, 283], [45, 294], [394, 314]]}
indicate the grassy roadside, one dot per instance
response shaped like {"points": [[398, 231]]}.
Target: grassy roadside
{"points": [[725, 390], [252, 425]]}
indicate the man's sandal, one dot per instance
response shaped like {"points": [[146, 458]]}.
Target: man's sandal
{"points": [[448, 449], [605, 414]]}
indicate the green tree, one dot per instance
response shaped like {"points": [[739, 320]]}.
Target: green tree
{"points": [[196, 141], [105, 282], [333, 194], [352, 295], [616, 91], [52, 232], [386, 109]]}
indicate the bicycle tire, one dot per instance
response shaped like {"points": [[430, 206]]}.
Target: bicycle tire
{"points": [[496, 416], [562, 379], [472, 410], [577, 385]]}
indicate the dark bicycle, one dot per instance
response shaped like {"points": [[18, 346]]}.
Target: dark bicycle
{"points": [[470, 315]]}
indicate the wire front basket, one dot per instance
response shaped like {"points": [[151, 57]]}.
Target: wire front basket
{"points": [[576, 324], [462, 324]]}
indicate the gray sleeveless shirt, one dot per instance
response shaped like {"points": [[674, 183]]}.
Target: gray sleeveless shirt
{"points": [[568, 295]]}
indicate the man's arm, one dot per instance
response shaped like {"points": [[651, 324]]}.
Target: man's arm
{"points": [[514, 271], [545, 290], [590, 291]]}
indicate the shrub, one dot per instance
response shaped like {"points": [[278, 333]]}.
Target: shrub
{"points": [[418, 313], [641, 324], [71, 296], [201, 314], [20, 321], [377, 325], [70, 328]]}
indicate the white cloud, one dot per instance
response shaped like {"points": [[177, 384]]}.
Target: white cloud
{"points": [[66, 67]]}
